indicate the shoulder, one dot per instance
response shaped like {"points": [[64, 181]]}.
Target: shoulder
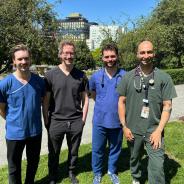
{"points": [[7, 80], [97, 73], [51, 74], [37, 78], [78, 72], [162, 75], [52, 71], [130, 74], [121, 71]]}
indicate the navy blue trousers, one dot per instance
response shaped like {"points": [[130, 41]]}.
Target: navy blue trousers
{"points": [[100, 137]]}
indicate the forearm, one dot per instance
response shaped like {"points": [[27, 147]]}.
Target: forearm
{"points": [[45, 108], [85, 106], [45, 114], [93, 95], [166, 112], [3, 110], [122, 110]]}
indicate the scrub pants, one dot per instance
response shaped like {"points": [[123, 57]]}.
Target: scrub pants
{"points": [[155, 159], [100, 137], [73, 131], [14, 155]]}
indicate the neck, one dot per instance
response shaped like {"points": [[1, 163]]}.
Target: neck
{"points": [[111, 71], [146, 69], [23, 75], [66, 68]]}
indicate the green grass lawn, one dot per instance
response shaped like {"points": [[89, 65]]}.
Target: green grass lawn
{"points": [[174, 162]]}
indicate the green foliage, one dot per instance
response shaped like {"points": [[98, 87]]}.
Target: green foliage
{"points": [[127, 50], [165, 28], [84, 59], [107, 40], [174, 162], [97, 57], [177, 75], [30, 22]]}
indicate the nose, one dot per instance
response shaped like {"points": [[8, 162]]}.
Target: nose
{"points": [[24, 60], [146, 55]]}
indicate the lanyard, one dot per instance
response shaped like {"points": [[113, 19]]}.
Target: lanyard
{"points": [[139, 83], [117, 76]]}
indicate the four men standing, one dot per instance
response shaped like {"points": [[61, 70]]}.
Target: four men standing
{"points": [[143, 98]]}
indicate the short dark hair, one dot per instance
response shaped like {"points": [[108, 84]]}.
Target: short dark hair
{"points": [[64, 43], [109, 46], [18, 48]]}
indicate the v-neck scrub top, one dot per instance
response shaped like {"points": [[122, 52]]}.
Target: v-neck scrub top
{"points": [[106, 103], [66, 90], [23, 106]]}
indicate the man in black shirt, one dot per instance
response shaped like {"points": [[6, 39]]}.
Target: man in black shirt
{"points": [[65, 110]]}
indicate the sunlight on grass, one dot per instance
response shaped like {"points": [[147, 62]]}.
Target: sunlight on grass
{"points": [[174, 162]]}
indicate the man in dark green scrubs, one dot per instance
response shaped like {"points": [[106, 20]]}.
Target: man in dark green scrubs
{"points": [[145, 105]]}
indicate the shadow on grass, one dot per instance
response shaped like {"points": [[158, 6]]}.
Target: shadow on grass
{"points": [[170, 168], [84, 165]]}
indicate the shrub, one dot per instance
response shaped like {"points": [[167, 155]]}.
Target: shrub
{"points": [[177, 75]]}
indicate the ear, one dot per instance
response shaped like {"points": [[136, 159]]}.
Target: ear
{"points": [[13, 61]]}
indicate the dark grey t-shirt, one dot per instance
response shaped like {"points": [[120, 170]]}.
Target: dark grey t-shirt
{"points": [[66, 99]]}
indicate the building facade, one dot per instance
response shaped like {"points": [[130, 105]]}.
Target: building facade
{"points": [[100, 32], [77, 28], [74, 27]]}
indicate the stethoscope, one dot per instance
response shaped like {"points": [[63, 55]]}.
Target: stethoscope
{"points": [[117, 75], [139, 80]]}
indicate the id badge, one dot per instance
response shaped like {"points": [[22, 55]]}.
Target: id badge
{"points": [[145, 112]]}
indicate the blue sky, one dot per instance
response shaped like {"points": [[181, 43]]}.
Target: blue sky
{"points": [[106, 11]]}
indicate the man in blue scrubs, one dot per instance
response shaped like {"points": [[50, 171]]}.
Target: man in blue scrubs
{"points": [[20, 105], [106, 123]]}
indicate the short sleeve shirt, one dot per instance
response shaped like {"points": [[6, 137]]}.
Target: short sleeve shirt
{"points": [[23, 106], [106, 103], [66, 99], [162, 89]]}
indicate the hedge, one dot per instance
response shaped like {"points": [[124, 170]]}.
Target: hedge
{"points": [[177, 75]]}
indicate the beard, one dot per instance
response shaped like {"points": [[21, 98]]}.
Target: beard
{"points": [[111, 64], [23, 68]]}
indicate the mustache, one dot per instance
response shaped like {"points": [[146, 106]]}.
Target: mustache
{"points": [[113, 63]]}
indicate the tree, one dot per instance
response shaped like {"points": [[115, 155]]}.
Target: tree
{"points": [[170, 14], [127, 50], [165, 28], [30, 22], [97, 57], [83, 59]]}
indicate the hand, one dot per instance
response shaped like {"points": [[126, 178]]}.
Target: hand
{"points": [[128, 134], [155, 139], [47, 124], [83, 122]]}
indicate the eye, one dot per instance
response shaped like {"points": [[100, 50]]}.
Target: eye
{"points": [[112, 57]]}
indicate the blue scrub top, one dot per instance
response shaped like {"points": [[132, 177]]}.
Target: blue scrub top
{"points": [[23, 106], [106, 103]]}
